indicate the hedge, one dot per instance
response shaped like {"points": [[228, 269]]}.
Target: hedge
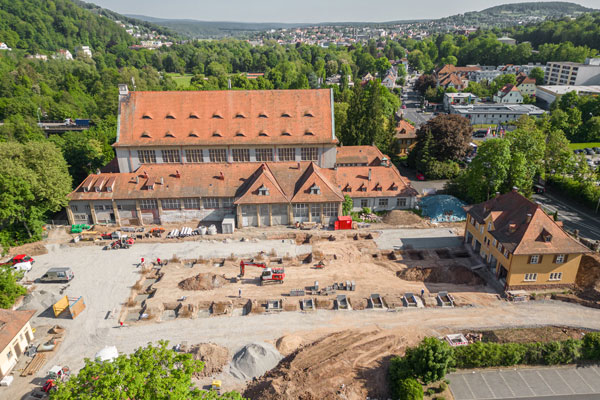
{"points": [[582, 192]]}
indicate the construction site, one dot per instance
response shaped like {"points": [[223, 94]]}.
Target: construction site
{"points": [[280, 313]]}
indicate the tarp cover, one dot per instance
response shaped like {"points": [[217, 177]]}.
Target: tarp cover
{"points": [[443, 208], [109, 353]]}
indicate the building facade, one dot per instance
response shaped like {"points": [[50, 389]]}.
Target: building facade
{"points": [[459, 99], [523, 246], [15, 336], [509, 94], [549, 94], [264, 157], [496, 113], [406, 137], [570, 73]]}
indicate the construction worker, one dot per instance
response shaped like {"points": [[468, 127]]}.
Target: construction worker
{"points": [[240, 292], [158, 261], [422, 292]]}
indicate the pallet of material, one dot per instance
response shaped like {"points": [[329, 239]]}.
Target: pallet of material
{"points": [[34, 365]]}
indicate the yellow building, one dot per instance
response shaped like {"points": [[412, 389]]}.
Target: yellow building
{"points": [[521, 244], [15, 336], [406, 137]]}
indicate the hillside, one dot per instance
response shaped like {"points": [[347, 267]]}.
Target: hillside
{"points": [[516, 13]]}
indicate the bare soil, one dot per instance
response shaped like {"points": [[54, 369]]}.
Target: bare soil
{"points": [[31, 249], [457, 274], [203, 281], [588, 277], [215, 357], [538, 334], [404, 219]]}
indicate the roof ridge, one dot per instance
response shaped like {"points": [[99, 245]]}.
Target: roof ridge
{"points": [[272, 177]]}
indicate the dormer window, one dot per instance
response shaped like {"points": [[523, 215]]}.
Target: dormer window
{"points": [[314, 189], [217, 134], [169, 134], [348, 188], [308, 114], [193, 134], [145, 135], [217, 116], [170, 116], [263, 191], [263, 115], [547, 237], [309, 133], [263, 134], [285, 133], [194, 116], [240, 115], [394, 187], [285, 115], [146, 116], [240, 134], [362, 188]]}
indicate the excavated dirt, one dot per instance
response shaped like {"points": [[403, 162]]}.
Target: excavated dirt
{"points": [[359, 359], [452, 274], [288, 344], [588, 277], [404, 219], [31, 249], [528, 335], [215, 357], [203, 281]]}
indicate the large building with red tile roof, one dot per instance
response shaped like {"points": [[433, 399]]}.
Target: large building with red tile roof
{"points": [[522, 245], [15, 336], [265, 157]]}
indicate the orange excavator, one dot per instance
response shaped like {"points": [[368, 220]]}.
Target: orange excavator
{"points": [[268, 275]]}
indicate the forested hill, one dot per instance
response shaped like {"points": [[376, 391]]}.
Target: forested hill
{"points": [[44, 25], [583, 31]]}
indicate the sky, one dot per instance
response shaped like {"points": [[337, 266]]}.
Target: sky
{"points": [[308, 11]]}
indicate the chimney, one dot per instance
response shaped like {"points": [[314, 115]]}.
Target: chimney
{"points": [[229, 84], [162, 180], [177, 174], [97, 171], [145, 175], [497, 194], [137, 179], [123, 90], [528, 220], [369, 174], [298, 165], [515, 189], [221, 176]]}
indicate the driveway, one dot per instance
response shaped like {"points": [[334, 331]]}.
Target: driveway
{"points": [[532, 383]]}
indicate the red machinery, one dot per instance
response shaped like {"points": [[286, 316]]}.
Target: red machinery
{"points": [[268, 275]]}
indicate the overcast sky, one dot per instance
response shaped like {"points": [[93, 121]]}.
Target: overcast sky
{"points": [[303, 10]]}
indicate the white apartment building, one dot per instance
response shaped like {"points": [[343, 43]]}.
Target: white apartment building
{"points": [[574, 74]]}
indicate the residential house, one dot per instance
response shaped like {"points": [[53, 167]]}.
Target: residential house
{"points": [[453, 81], [15, 336], [64, 54], [42, 57], [3, 46], [507, 40], [85, 50], [521, 244], [266, 157], [389, 81], [406, 137], [526, 85], [509, 94]]}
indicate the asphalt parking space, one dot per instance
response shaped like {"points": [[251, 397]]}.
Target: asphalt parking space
{"points": [[530, 383]]}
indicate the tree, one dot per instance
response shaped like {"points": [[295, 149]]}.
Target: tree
{"points": [[451, 136], [34, 182], [538, 74], [151, 372], [347, 205], [382, 64], [425, 82], [430, 360], [10, 290], [409, 389]]}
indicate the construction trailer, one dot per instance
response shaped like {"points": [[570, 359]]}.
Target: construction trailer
{"points": [[73, 306]]}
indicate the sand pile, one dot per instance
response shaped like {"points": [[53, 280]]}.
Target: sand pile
{"points": [[456, 274], [588, 277], [350, 364], [403, 218], [203, 281], [288, 344], [253, 360], [215, 357], [31, 249]]}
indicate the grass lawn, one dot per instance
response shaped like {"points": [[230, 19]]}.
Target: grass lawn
{"points": [[576, 146], [182, 81]]}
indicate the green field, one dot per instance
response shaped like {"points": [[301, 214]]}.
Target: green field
{"points": [[182, 81], [576, 146]]}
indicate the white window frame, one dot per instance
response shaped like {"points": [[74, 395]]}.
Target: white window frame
{"points": [[505, 253], [194, 155], [264, 154], [148, 204], [217, 155], [560, 259], [191, 203], [210, 203], [226, 202], [330, 209], [286, 154], [300, 210], [489, 226], [534, 259], [383, 202], [494, 243], [309, 154], [170, 204], [364, 203], [532, 277], [240, 155], [146, 156], [555, 276], [171, 156], [402, 202], [315, 210], [481, 229]]}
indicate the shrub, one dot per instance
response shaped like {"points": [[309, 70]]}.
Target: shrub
{"points": [[430, 392], [409, 389], [442, 170], [398, 371], [430, 360], [583, 192], [591, 346], [443, 386]]}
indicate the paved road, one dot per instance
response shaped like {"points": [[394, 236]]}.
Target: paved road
{"points": [[534, 383], [572, 215], [412, 104]]}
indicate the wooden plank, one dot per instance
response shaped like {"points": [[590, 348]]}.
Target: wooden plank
{"points": [[34, 365]]}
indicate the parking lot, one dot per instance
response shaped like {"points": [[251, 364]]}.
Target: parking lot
{"points": [[582, 382]]}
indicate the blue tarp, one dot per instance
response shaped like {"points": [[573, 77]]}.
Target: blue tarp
{"points": [[442, 208]]}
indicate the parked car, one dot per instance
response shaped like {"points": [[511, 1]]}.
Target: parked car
{"points": [[22, 266], [577, 151], [64, 274], [596, 149], [589, 151], [420, 176], [404, 106], [539, 189], [20, 258], [480, 134]]}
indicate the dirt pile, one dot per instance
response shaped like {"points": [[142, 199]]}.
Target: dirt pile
{"points": [[588, 277], [351, 364], [288, 344], [456, 274], [403, 218], [31, 249], [253, 360], [215, 357], [203, 281]]}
